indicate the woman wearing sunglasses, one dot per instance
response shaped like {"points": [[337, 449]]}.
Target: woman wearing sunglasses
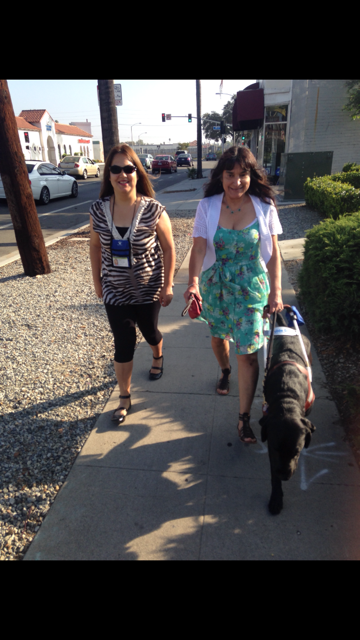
{"points": [[132, 258]]}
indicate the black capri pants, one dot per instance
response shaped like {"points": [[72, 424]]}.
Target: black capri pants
{"points": [[123, 318]]}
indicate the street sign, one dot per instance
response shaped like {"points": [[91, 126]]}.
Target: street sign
{"points": [[216, 128], [168, 116], [118, 95]]}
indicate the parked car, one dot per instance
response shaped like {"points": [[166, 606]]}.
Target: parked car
{"points": [[178, 153], [211, 156], [184, 159], [79, 166], [164, 163], [146, 160], [47, 182]]}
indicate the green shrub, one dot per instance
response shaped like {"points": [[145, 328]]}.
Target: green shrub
{"points": [[351, 177], [351, 166], [192, 172], [330, 197], [330, 276]]}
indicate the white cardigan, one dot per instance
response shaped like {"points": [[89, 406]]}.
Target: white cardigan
{"points": [[207, 218]]}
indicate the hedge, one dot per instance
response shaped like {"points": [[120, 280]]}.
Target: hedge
{"points": [[330, 276], [351, 166], [331, 197], [351, 177]]}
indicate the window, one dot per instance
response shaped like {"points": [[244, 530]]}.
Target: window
{"points": [[70, 151], [275, 138], [277, 113]]}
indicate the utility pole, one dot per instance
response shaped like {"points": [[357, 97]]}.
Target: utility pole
{"points": [[108, 115], [199, 135], [19, 196]]}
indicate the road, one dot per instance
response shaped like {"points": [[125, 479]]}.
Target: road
{"points": [[65, 213]]}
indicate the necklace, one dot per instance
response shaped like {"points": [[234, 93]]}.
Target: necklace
{"points": [[235, 210]]}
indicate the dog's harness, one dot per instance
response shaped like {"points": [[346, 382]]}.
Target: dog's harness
{"points": [[294, 315]]}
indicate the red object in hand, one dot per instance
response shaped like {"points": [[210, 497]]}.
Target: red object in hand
{"points": [[194, 306]]}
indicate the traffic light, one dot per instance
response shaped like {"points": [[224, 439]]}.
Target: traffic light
{"points": [[222, 127], [189, 118], [163, 117]]}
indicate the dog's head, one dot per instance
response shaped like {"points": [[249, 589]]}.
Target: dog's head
{"points": [[286, 439]]}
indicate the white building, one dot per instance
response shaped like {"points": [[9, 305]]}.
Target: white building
{"points": [[85, 126], [44, 139]]}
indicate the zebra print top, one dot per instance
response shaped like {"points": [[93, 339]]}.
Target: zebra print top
{"points": [[142, 282]]}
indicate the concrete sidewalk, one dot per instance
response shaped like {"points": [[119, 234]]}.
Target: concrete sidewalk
{"points": [[175, 483]]}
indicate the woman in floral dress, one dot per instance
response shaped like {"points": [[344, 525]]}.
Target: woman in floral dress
{"points": [[235, 269]]}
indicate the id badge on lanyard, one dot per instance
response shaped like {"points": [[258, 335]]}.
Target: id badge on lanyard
{"points": [[120, 253]]}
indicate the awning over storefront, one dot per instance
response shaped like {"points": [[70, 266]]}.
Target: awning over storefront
{"points": [[248, 110]]}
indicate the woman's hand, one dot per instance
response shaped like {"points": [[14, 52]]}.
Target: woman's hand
{"points": [[275, 302], [98, 289], [192, 288], [166, 296]]}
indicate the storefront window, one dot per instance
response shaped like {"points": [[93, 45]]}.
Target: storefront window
{"points": [[275, 138], [277, 113]]}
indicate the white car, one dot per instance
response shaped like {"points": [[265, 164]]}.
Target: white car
{"points": [[47, 182]]}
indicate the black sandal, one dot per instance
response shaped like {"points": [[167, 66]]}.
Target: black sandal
{"points": [[121, 418], [156, 376], [246, 431], [224, 384]]}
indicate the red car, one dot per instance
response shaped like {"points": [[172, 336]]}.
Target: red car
{"points": [[164, 163]]}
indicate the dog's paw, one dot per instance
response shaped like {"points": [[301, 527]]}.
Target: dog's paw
{"points": [[275, 505]]}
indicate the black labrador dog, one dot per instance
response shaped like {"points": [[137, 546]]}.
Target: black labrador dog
{"points": [[289, 396]]}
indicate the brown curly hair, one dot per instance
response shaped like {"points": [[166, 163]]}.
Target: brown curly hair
{"points": [[143, 185], [242, 156]]}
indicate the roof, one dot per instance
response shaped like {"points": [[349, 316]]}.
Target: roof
{"points": [[32, 115], [70, 130], [29, 116], [23, 124]]}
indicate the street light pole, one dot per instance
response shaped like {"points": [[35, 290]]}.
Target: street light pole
{"points": [[199, 136], [133, 125]]}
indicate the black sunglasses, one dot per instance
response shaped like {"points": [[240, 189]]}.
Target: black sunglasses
{"points": [[129, 168]]}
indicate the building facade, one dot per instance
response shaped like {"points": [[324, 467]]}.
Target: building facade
{"points": [[43, 139], [298, 116]]}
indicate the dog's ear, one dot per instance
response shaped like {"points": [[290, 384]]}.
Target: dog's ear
{"points": [[309, 429], [264, 422]]}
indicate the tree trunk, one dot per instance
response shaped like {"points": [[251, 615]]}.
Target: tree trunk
{"points": [[108, 114], [20, 200]]}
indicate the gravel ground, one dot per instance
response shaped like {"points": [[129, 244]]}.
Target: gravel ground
{"points": [[56, 363]]}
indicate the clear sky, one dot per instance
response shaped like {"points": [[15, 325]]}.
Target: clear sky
{"points": [[143, 102]]}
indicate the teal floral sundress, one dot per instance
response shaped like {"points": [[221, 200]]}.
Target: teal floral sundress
{"points": [[235, 289]]}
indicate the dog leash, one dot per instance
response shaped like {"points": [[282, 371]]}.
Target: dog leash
{"points": [[267, 354]]}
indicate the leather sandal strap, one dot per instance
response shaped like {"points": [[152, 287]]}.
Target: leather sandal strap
{"points": [[124, 397], [226, 371], [246, 431]]}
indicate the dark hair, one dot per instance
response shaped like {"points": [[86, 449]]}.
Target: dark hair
{"points": [[143, 185], [242, 156]]}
